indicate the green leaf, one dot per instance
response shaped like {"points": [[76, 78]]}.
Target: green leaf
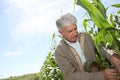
{"points": [[116, 5], [100, 7], [85, 24], [98, 18], [53, 36], [118, 12], [111, 20]]}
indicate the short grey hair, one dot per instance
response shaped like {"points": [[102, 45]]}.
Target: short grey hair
{"points": [[65, 20]]}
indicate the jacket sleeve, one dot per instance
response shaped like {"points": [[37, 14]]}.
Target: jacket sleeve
{"points": [[106, 52], [69, 70]]}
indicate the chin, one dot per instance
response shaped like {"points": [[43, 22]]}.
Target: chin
{"points": [[74, 41]]}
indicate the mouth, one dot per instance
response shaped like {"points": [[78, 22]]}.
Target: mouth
{"points": [[75, 36]]}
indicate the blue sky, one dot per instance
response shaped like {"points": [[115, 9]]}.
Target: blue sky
{"points": [[26, 27]]}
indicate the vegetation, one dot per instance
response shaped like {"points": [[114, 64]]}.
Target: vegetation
{"points": [[108, 27], [50, 69], [103, 28], [34, 76]]}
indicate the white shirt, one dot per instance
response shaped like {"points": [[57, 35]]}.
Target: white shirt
{"points": [[77, 47]]}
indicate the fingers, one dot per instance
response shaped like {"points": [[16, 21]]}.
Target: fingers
{"points": [[115, 60], [114, 78], [111, 74], [117, 66]]}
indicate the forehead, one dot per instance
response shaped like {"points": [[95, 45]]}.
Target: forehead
{"points": [[70, 27]]}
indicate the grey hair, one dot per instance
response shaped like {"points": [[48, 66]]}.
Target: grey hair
{"points": [[65, 20]]}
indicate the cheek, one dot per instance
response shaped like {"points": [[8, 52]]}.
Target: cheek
{"points": [[68, 36], [71, 36]]}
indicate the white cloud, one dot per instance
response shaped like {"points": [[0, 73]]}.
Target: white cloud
{"points": [[39, 25], [39, 20], [29, 7], [14, 53], [35, 25]]}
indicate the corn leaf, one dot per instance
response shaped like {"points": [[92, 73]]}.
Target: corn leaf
{"points": [[116, 5], [94, 13]]}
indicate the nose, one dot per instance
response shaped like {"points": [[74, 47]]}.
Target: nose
{"points": [[75, 32]]}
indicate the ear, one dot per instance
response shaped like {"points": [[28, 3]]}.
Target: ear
{"points": [[60, 32]]}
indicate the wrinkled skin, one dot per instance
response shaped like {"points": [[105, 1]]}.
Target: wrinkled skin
{"points": [[115, 60], [110, 74]]}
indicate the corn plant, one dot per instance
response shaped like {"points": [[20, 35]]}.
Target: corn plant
{"points": [[104, 29], [107, 28], [50, 69]]}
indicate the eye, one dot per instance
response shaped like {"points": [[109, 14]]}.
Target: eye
{"points": [[70, 31], [75, 29]]}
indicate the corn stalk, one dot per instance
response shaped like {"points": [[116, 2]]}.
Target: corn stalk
{"points": [[108, 30]]}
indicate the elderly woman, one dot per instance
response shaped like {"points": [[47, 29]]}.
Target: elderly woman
{"points": [[75, 49]]}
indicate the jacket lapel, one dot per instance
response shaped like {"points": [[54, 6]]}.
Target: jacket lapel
{"points": [[86, 46], [74, 57], [81, 39], [77, 58]]}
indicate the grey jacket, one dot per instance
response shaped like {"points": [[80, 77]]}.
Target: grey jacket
{"points": [[67, 61]]}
